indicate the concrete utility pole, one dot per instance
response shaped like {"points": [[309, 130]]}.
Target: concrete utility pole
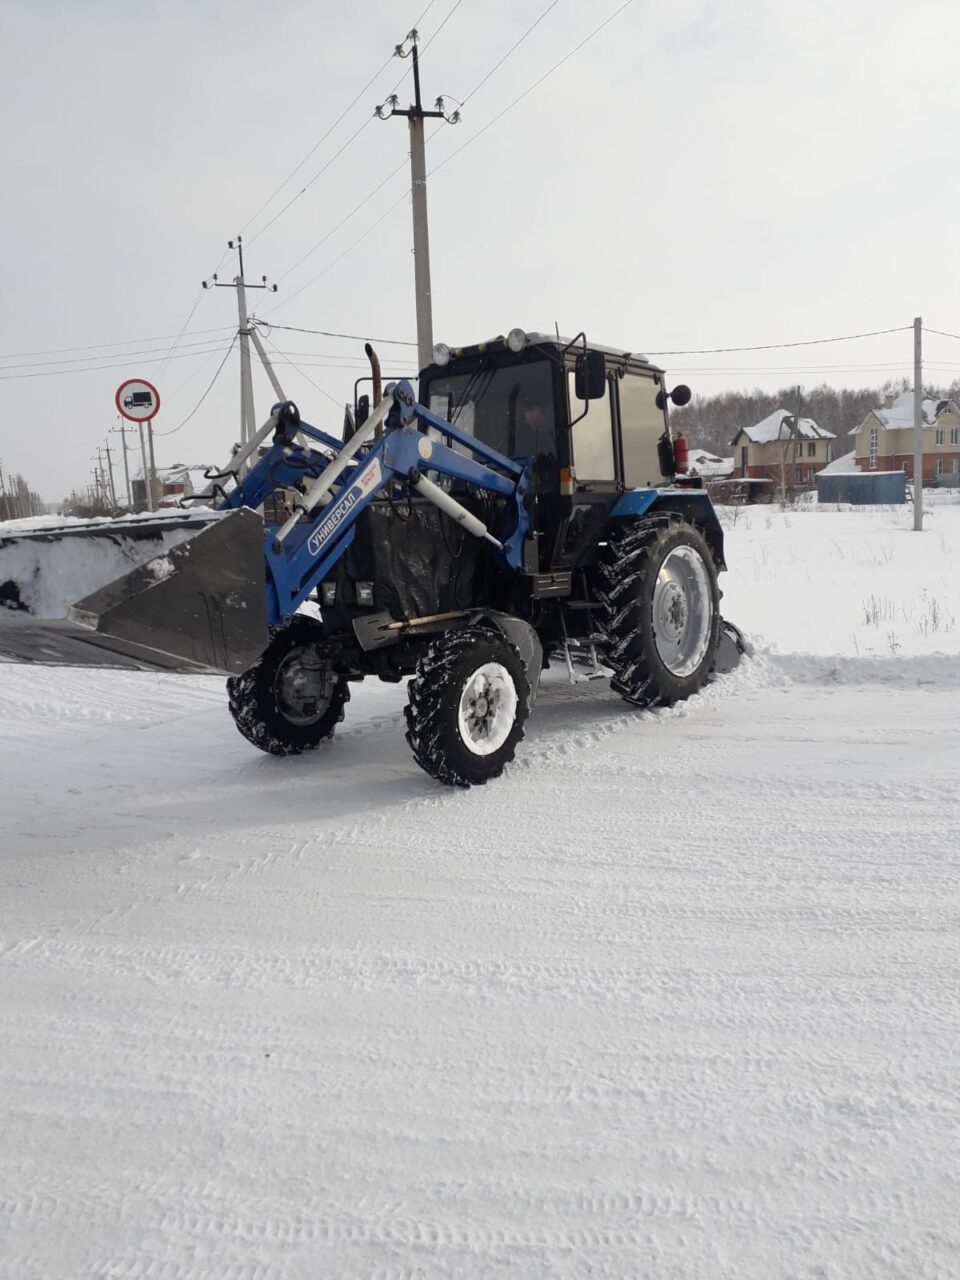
{"points": [[152, 485], [107, 473], [147, 477], [918, 425], [113, 489], [418, 174], [126, 467], [248, 423]]}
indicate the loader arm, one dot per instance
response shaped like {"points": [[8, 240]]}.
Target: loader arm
{"points": [[304, 550], [202, 591]]}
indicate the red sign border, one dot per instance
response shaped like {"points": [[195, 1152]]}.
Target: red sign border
{"points": [[144, 383]]}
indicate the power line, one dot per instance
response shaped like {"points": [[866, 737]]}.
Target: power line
{"points": [[513, 48], [330, 265], [780, 346], [97, 368], [206, 393], [940, 333], [496, 67], [126, 342], [312, 152], [303, 190], [380, 185], [425, 12], [345, 219], [172, 395], [354, 337], [536, 84], [337, 154], [300, 371], [183, 327], [441, 26], [348, 366], [127, 355], [783, 370], [393, 173]]}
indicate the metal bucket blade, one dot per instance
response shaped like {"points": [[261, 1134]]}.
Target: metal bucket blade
{"points": [[200, 604], [730, 648]]}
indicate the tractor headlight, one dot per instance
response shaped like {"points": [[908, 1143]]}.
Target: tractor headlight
{"points": [[441, 353], [365, 594], [516, 340], [329, 591]]}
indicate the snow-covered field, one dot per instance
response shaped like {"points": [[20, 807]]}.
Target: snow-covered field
{"points": [[676, 997]]}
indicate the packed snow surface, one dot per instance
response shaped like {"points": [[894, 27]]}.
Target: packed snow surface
{"points": [[675, 997]]}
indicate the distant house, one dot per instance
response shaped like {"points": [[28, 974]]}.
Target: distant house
{"points": [[180, 481], [172, 483], [884, 439], [705, 464], [781, 449]]}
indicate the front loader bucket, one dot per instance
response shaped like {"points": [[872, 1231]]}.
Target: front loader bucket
{"points": [[179, 593], [730, 649]]}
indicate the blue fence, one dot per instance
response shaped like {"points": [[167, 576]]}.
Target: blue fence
{"points": [[863, 488]]}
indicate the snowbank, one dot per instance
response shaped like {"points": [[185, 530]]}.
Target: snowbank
{"points": [[48, 565]]}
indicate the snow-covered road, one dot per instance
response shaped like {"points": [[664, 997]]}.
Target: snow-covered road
{"points": [[676, 997]]}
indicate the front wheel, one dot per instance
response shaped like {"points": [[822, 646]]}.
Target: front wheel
{"points": [[467, 706], [660, 610], [292, 698]]}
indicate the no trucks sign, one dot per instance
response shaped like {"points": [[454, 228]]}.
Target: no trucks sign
{"points": [[137, 400]]}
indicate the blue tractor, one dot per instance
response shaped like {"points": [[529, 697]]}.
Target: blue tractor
{"points": [[525, 505]]}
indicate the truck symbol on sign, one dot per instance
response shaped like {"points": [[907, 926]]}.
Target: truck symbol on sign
{"points": [[138, 400]]}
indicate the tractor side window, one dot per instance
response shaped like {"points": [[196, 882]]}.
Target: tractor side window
{"points": [[641, 426], [592, 436]]}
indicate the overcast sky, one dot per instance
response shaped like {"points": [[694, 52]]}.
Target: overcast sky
{"points": [[697, 175]]}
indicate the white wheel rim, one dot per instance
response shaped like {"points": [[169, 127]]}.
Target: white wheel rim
{"points": [[488, 709], [682, 611]]}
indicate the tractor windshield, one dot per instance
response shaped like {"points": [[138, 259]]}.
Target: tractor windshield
{"points": [[509, 407]]}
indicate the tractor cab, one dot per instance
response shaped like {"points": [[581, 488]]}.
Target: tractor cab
{"points": [[591, 419]]}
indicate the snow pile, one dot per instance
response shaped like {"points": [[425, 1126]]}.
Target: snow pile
{"points": [[47, 566], [843, 466]]}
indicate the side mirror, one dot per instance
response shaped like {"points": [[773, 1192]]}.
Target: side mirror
{"points": [[363, 411], [590, 376], [680, 396]]}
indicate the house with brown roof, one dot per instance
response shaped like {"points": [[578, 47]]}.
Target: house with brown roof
{"points": [[884, 439], [782, 449]]}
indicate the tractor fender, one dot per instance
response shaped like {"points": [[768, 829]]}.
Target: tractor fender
{"points": [[522, 635], [694, 505]]}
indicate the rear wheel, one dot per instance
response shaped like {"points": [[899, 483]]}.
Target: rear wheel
{"points": [[660, 610], [468, 703], [292, 699]]}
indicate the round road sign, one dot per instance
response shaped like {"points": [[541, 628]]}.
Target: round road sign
{"points": [[137, 400]]}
